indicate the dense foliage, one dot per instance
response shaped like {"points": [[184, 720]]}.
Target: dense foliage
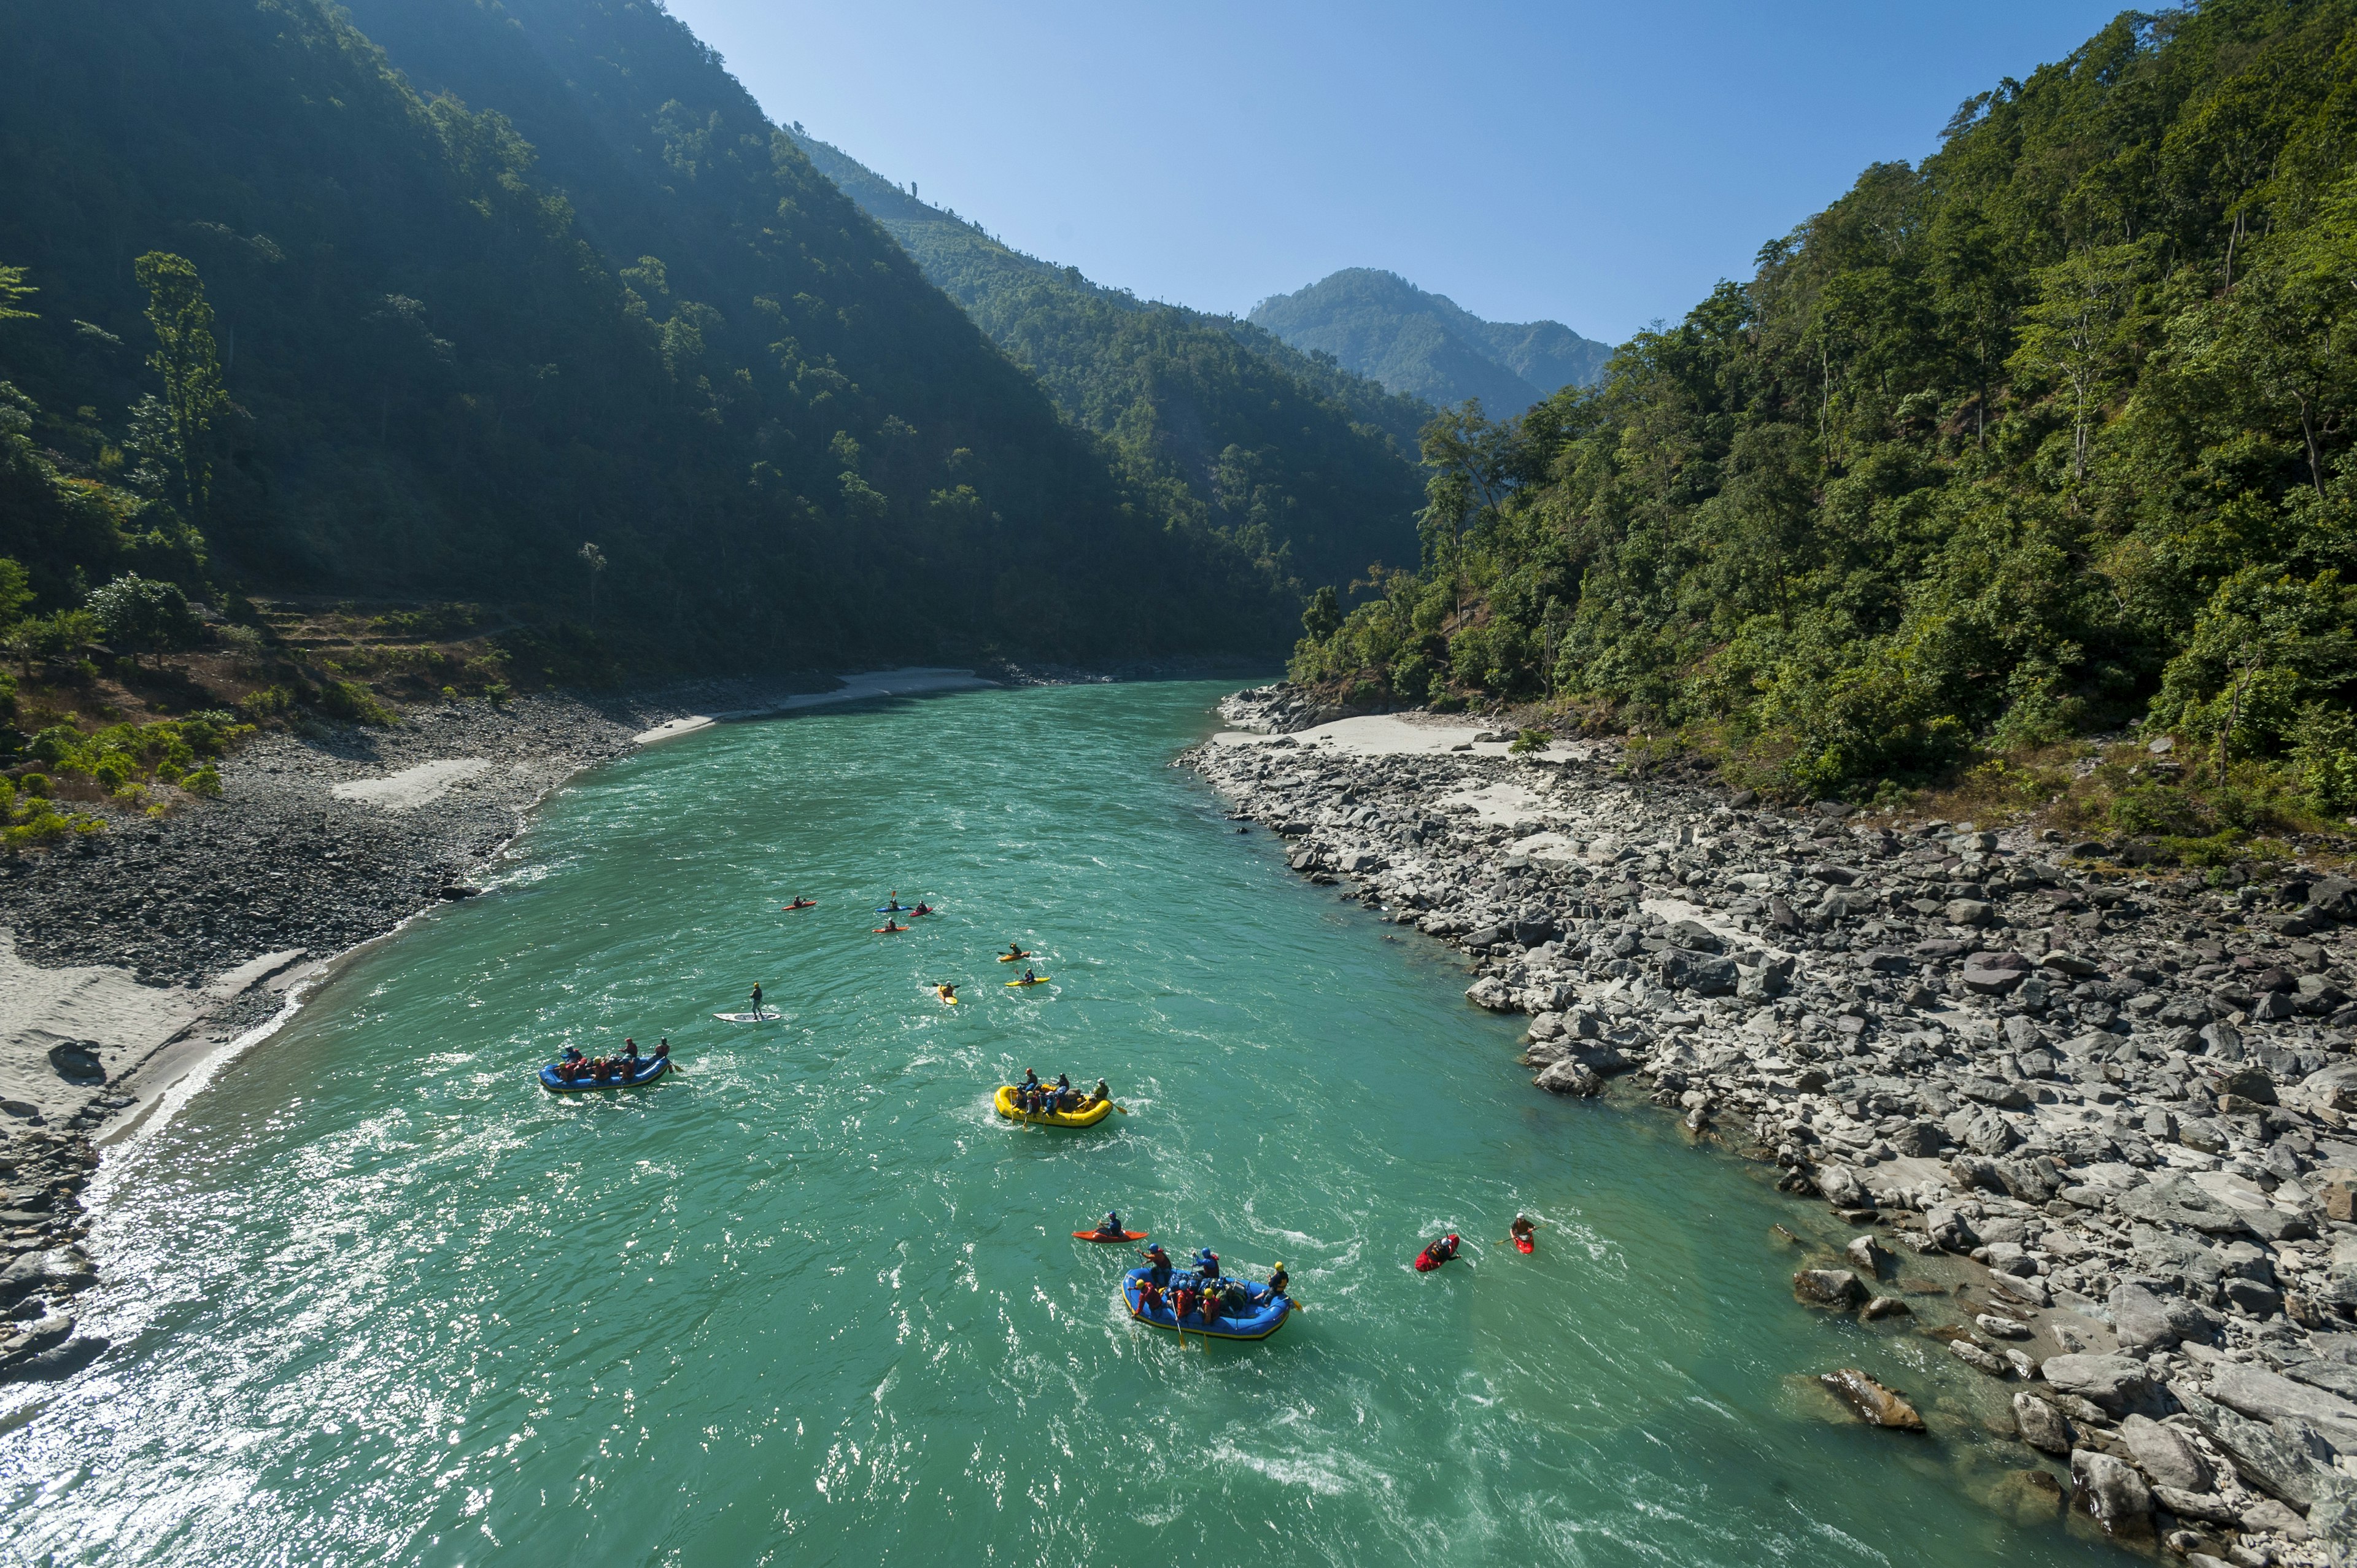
{"points": [[1219, 420], [298, 326], [1427, 345], [2051, 433]]}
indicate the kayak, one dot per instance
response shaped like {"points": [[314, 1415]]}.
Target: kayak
{"points": [[1088, 1117], [1264, 1312], [886, 930], [1015, 957], [1099, 1236], [790, 909], [654, 1069], [894, 909], [945, 996], [1040, 980], [764, 1017], [1523, 1245]]}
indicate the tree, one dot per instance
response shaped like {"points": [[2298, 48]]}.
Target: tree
{"points": [[2074, 339], [13, 287], [185, 357], [16, 591], [141, 615], [1322, 617], [595, 559]]}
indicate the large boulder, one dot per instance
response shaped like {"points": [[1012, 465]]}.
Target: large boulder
{"points": [[1570, 1076], [1491, 992], [2264, 1396], [2281, 1465], [2110, 1492], [2177, 1201], [1875, 1405], [2042, 1426], [1843, 1188], [2165, 1455], [1705, 974], [1838, 1289], [2148, 1321], [2118, 1385]]}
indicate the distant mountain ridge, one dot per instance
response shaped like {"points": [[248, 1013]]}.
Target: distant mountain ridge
{"points": [[1283, 447], [1426, 345]]}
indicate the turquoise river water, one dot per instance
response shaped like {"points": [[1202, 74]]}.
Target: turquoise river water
{"points": [[378, 1298]]}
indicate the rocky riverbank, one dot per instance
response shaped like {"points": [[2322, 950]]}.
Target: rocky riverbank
{"points": [[2132, 1098]]}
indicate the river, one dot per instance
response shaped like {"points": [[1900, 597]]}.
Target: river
{"points": [[378, 1298]]}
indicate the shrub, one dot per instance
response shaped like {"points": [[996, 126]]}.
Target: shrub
{"points": [[1530, 740], [142, 615], [350, 700], [205, 781]]}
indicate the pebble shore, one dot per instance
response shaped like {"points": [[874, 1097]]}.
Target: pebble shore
{"points": [[2131, 1098]]}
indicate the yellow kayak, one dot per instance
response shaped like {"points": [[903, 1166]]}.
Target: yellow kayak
{"points": [[1041, 980], [1089, 1117]]}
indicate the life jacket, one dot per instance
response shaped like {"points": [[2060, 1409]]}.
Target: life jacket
{"points": [[1182, 1300]]}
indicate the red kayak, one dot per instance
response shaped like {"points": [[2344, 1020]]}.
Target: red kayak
{"points": [[1101, 1236], [1524, 1245], [1439, 1252]]}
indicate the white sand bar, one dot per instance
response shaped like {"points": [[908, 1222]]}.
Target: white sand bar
{"points": [[859, 688], [97, 1005], [412, 785]]}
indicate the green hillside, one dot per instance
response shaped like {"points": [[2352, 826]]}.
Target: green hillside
{"points": [[592, 296], [1428, 347], [1214, 415], [2049, 433]]}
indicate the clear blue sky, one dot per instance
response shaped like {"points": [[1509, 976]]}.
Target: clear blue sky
{"points": [[1599, 164]]}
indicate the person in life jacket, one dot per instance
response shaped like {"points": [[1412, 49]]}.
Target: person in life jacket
{"points": [[1149, 1296], [1437, 1254], [1182, 1297], [1207, 1263], [1278, 1279], [1157, 1263], [1110, 1226]]}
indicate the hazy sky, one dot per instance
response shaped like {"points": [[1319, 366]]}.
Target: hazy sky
{"points": [[1601, 164]]}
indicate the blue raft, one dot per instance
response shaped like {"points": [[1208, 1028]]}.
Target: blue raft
{"points": [[1264, 1312], [653, 1069]]}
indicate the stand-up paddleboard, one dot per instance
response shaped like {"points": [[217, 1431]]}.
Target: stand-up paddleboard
{"points": [[764, 1017], [1101, 1236]]}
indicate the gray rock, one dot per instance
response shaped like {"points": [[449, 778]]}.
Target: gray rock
{"points": [[2264, 1396], [60, 1362], [1980, 1360], [2110, 1492], [2001, 1092], [1491, 992], [1918, 1140], [1835, 1288], [2263, 1457], [2148, 1321], [2041, 1425], [2208, 1508], [1969, 912], [2118, 1385], [1570, 1076], [2165, 1455], [1841, 1187], [1866, 1254], [2176, 1201], [2270, 1515], [1875, 1405]]}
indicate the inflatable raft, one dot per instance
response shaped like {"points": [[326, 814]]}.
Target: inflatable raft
{"points": [[1264, 1312], [1088, 1117], [652, 1069]]}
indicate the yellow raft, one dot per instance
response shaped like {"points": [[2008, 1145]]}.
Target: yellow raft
{"points": [[1089, 1117]]}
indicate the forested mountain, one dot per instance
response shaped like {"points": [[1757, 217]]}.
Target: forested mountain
{"points": [[1209, 412], [2048, 434], [583, 293], [1426, 345]]}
